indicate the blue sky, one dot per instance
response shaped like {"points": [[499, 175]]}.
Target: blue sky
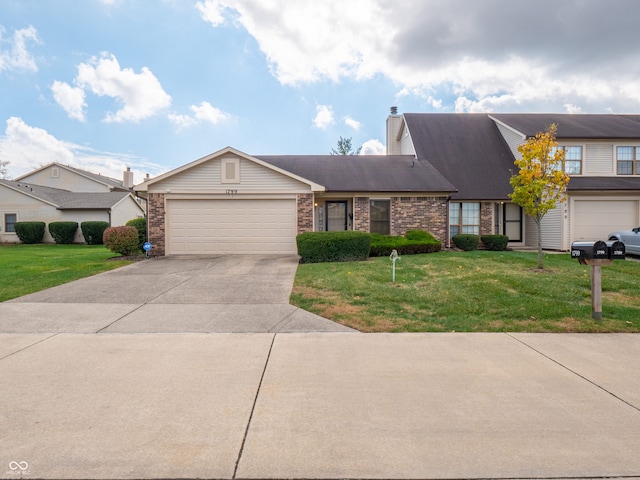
{"points": [[155, 84]]}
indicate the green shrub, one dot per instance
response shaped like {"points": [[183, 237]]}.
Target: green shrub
{"points": [[122, 240], [420, 242], [316, 247], [418, 235], [495, 242], [466, 242], [30, 232], [141, 226], [93, 231], [63, 232]]}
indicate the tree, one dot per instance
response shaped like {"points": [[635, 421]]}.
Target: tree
{"points": [[345, 148], [4, 172], [541, 181]]}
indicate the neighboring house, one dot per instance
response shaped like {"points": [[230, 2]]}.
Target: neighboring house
{"points": [[98, 199], [445, 173], [65, 177]]}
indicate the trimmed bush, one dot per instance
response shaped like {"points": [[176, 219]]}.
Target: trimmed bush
{"points": [[414, 242], [30, 232], [141, 226], [466, 242], [316, 247], [122, 240], [495, 242], [93, 231], [63, 232]]}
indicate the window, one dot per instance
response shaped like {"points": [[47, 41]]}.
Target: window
{"points": [[628, 160], [572, 159], [10, 220], [464, 218], [380, 215]]}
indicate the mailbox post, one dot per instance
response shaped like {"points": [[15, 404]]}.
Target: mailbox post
{"points": [[596, 254]]}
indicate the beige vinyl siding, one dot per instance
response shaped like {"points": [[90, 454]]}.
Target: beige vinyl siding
{"points": [[553, 229], [598, 159], [125, 210], [406, 144], [66, 180], [206, 178], [513, 139]]}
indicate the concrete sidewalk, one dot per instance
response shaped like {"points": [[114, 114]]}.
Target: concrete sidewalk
{"points": [[320, 405]]}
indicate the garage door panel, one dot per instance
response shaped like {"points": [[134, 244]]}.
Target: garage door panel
{"points": [[595, 219], [231, 226]]}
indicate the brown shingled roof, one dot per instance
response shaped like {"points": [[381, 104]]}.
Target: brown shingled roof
{"points": [[364, 173], [467, 149]]}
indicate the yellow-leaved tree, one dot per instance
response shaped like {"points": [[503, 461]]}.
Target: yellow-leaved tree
{"points": [[541, 182]]}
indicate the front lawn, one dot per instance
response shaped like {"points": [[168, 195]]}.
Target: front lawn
{"points": [[29, 268], [470, 291]]}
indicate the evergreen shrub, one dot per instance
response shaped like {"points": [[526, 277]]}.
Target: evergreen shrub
{"points": [[30, 232]]}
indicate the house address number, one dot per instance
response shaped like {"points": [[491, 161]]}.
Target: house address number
{"points": [[231, 192]]}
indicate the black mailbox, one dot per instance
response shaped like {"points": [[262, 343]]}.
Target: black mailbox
{"points": [[590, 250], [616, 250]]}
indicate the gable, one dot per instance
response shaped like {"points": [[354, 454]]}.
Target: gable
{"points": [[58, 176], [226, 171]]}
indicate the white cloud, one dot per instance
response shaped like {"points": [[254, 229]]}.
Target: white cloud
{"points": [[182, 121], [373, 147], [454, 50], [27, 148], [208, 113], [141, 94], [324, 117], [212, 11], [350, 122], [18, 57], [205, 112], [70, 98]]}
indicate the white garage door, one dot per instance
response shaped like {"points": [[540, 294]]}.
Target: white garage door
{"points": [[231, 226], [595, 219]]}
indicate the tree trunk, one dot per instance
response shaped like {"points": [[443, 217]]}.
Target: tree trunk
{"points": [[538, 221]]}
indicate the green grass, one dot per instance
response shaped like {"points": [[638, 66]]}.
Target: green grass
{"points": [[29, 268], [470, 291]]}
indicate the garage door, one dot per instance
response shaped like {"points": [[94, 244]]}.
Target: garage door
{"points": [[231, 226], [595, 219]]}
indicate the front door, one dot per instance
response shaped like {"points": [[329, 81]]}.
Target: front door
{"points": [[336, 216], [512, 215]]}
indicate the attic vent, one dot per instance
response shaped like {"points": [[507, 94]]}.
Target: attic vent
{"points": [[230, 170], [55, 172]]}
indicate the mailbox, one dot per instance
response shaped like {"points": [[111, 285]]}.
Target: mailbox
{"points": [[616, 250], [590, 250]]}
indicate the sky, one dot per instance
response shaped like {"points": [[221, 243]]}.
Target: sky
{"points": [[154, 84]]}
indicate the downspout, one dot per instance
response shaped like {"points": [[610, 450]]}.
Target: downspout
{"points": [[447, 232]]}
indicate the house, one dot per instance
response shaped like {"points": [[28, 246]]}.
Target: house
{"points": [[98, 198], [445, 173], [476, 153], [66, 177]]}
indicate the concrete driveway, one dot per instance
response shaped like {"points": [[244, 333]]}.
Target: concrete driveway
{"points": [[199, 294]]}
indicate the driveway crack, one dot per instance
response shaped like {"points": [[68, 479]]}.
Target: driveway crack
{"points": [[576, 373], [253, 407], [28, 347]]}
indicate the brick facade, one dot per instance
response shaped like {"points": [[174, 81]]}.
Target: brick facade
{"points": [[419, 213], [305, 212], [486, 218], [156, 223], [361, 214]]}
